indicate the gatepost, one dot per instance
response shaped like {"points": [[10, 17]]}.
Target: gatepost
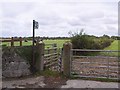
{"points": [[67, 59], [39, 64]]}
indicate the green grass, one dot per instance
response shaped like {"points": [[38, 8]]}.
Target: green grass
{"points": [[48, 73], [114, 46], [17, 43], [59, 42]]}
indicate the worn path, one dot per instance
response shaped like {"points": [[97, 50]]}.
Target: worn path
{"points": [[36, 82], [51, 82]]}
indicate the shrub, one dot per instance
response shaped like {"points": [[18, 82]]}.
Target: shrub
{"points": [[84, 41]]}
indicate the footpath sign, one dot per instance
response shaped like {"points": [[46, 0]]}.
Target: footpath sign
{"points": [[35, 26]]}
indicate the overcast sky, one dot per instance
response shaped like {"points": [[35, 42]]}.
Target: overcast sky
{"points": [[57, 18]]}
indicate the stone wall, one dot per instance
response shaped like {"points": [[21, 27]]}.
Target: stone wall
{"points": [[13, 65]]}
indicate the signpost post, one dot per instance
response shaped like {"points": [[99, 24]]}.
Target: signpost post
{"points": [[35, 26]]}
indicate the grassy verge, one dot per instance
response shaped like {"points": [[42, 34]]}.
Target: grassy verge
{"points": [[48, 73]]}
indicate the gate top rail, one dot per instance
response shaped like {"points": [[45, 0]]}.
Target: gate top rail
{"points": [[51, 48], [89, 50]]}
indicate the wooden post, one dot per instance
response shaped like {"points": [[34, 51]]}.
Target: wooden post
{"points": [[20, 41], [67, 59], [12, 42], [39, 64], [33, 47]]}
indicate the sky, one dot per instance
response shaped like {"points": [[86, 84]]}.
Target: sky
{"points": [[57, 18]]}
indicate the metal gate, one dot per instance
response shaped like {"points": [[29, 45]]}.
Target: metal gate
{"points": [[95, 63]]}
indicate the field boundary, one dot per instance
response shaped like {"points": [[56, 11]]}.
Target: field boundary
{"points": [[12, 40]]}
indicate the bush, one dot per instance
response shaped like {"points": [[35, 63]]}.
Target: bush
{"points": [[81, 41], [84, 41]]}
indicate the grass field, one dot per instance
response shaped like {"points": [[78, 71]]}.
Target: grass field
{"points": [[59, 42], [114, 46]]}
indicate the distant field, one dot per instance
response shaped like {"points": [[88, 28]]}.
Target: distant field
{"points": [[59, 42], [17, 43], [114, 46]]}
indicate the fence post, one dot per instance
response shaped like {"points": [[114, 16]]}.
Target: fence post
{"points": [[60, 60], [20, 41], [12, 42], [67, 58], [39, 64]]}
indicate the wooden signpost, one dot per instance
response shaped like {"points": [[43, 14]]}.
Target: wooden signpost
{"points": [[35, 26]]}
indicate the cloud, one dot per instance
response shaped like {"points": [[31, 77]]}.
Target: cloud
{"points": [[57, 18]]}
